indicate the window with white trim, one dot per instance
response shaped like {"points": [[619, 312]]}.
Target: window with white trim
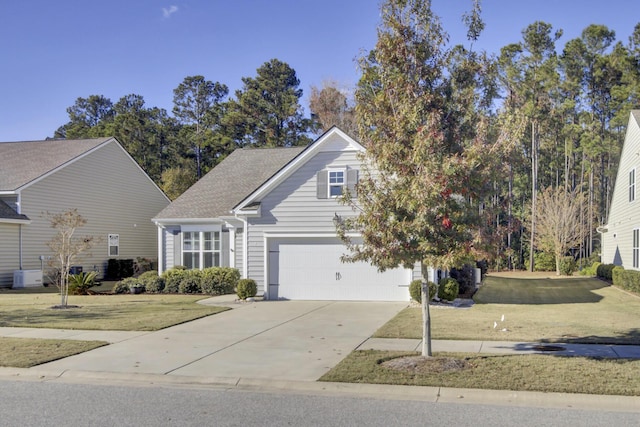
{"points": [[113, 244], [336, 183], [632, 185], [200, 249], [635, 250]]}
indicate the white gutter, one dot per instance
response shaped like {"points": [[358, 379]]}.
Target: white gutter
{"points": [[245, 246]]}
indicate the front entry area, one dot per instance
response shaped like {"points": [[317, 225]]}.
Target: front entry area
{"points": [[311, 269]]}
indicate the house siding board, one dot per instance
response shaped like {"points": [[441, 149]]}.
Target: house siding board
{"points": [[9, 257], [110, 192], [617, 242]]}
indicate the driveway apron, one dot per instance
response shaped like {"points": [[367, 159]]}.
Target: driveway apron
{"points": [[285, 340]]}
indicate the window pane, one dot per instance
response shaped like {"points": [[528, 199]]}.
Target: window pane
{"points": [[208, 260], [216, 259], [335, 190], [336, 177], [207, 240], [187, 260]]}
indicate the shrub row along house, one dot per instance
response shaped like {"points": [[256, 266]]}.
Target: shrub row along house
{"points": [[269, 212], [95, 176]]}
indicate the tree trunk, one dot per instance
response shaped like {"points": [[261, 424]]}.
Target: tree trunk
{"points": [[534, 191], [426, 318]]}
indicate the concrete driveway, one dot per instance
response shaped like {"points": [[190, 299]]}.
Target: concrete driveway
{"points": [[283, 340]]}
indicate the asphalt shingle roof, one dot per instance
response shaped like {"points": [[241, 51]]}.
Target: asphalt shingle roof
{"points": [[231, 181], [23, 162], [6, 212]]}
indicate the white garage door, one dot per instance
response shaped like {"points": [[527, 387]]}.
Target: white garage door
{"points": [[310, 269]]}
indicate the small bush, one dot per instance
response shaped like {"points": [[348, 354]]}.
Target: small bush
{"points": [[124, 285], [604, 271], [219, 280], [172, 279], [568, 265], [415, 290], [448, 289], [79, 284], [190, 282], [591, 270], [628, 280], [152, 282], [247, 288]]}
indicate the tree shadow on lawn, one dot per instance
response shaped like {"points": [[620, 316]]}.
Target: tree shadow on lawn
{"points": [[508, 290], [629, 337]]}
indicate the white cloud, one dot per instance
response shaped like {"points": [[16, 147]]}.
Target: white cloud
{"points": [[168, 11]]}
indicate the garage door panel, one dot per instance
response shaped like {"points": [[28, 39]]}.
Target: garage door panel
{"points": [[311, 269]]}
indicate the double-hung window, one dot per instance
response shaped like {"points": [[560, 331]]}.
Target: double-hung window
{"points": [[632, 185], [635, 250], [336, 183], [200, 249]]}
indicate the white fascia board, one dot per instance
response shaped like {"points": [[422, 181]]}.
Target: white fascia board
{"points": [[294, 165], [179, 221], [15, 221]]}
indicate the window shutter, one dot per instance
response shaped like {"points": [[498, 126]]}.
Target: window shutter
{"points": [[352, 180], [321, 187]]}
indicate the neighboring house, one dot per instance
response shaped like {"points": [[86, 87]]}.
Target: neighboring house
{"points": [[269, 212], [621, 236], [96, 176]]}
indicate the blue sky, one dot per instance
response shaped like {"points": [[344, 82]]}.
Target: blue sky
{"points": [[56, 51]]}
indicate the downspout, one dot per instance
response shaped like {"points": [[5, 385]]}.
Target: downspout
{"points": [[20, 246], [245, 245], [160, 249]]}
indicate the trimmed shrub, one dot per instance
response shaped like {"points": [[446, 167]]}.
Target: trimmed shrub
{"points": [[152, 282], [190, 282], [247, 288], [448, 289], [80, 283], [628, 280], [604, 271], [465, 277], [172, 279], [219, 280], [415, 290], [616, 276], [123, 286], [568, 265]]}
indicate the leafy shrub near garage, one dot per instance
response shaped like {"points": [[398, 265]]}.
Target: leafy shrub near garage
{"points": [[604, 271], [172, 279], [152, 282], [190, 282], [246, 288], [616, 276], [448, 289], [219, 280], [123, 286], [568, 265], [79, 284], [415, 290]]}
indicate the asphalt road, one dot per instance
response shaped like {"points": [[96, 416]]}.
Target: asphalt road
{"points": [[37, 403]]}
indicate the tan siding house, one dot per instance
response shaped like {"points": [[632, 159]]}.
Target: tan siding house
{"points": [[272, 212], [621, 234], [95, 176]]}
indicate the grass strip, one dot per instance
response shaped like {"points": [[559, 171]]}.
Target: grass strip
{"points": [[28, 352], [543, 373]]}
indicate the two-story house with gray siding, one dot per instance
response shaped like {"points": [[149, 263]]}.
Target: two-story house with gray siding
{"points": [[621, 234], [97, 177], [269, 212]]}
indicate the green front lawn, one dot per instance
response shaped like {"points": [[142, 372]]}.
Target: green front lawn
{"points": [[101, 312], [495, 372], [571, 310]]}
